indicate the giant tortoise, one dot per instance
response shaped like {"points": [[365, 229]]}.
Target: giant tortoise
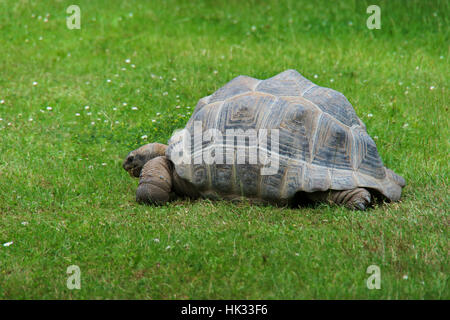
{"points": [[321, 149]]}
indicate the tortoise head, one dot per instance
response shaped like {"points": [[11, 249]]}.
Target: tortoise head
{"points": [[136, 159]]}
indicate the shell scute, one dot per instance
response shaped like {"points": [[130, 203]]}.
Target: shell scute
{"points": [[332, 145], [333, 103]]}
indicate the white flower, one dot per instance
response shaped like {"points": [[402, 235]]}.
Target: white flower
{"points": [[144, 137], [370, 115], [133, 66], [92, 123], [35, 83], [127, 60], [405, 125], [432, 88], [31, 119], [7, 244], [108, 80], [40, 38], [375, 137], [134, 108], [86, 107], [156, 240], [2, 101], [1, 119], [331, 80], [89, 113], [405, 277], [117, 122], [253, 28], [124, 104], [114, 108], [174, 79], [124, 69], [215, 72], [24, 223], [441, 57], [49, 108], [153, 120], [103, 164], [297, 254], [165, 93], [316, 76], [178, 107], [168, 247], [77, 114], [9, 123]]}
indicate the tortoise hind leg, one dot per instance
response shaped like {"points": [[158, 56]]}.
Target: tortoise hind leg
{"points": [[358, 198]]}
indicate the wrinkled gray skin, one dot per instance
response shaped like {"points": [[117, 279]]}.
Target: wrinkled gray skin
{"points": [[159, 182]]}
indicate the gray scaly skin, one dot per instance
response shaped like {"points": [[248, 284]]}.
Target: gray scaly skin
{"points": [[159, 183]]}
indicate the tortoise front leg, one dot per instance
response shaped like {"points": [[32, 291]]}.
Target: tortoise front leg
{"points": [[155, 182], [358, 198]]}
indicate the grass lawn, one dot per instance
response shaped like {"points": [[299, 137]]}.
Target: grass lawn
{"points": [[73, 103]]}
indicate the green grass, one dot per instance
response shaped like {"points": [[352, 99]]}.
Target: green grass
{"points": [[63, 175]]}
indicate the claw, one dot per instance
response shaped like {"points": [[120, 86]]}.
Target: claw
{"points": [[360, 206]]}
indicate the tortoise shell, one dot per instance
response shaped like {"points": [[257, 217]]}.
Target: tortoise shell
{"points": [[322, 144]]}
